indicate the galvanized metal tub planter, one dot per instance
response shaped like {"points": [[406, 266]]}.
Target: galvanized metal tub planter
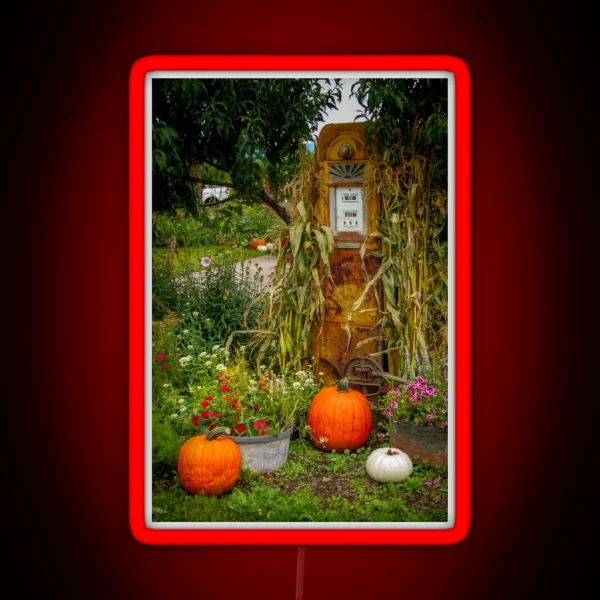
{"points": [[266, 453], [426, 442]]}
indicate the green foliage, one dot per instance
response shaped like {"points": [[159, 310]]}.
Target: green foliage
{"points": [[233, 223], [405, 115], [247, 128], [166, 443], [212, 304]]}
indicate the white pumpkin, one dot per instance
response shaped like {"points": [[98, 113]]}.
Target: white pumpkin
{"points": [[389, 464], [262, 248], [269, 246]]}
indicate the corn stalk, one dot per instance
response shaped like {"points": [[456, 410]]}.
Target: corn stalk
{"points": [[294, 309], [414, 269]]}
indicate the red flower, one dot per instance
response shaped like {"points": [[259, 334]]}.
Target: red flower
{"points": [[240, 428], [237, 419], [224, 388], [255, 406], [195, 420], [261, 426], [160, 357], [211, 426], [165, 368], [267, 476], [204, 404], [178, 351], [216, 415], [209, 398], [283, 241], [206, 414]]}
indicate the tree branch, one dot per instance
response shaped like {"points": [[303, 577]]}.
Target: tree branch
{"points": [[199, 180], [281, 211]]}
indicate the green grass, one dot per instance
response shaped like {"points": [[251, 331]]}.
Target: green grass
{"points": [[312, 486], [189, 258]]}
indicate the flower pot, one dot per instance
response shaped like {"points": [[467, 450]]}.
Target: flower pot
{"points": [[426, 442], [266, 453]]}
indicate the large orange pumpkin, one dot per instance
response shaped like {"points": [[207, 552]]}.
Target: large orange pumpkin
{"points": [[209, 464], [341, 416]]}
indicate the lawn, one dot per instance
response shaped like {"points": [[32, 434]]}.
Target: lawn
{"points": [[312, 486], [188, 258]]}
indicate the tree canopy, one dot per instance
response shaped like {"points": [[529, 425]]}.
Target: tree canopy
{"points": [[242, 132]]}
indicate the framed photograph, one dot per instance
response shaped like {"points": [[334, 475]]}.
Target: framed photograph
{"points": [[299, 300]]}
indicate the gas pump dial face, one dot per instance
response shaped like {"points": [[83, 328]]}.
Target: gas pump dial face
{"points": [[349, 209]]}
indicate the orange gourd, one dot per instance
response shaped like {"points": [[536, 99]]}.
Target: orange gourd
{"points": [[339, 418], [261, 242], [254, 245], [209, 464]]}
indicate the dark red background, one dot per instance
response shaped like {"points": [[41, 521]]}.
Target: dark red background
{"points": [[66, 206]]}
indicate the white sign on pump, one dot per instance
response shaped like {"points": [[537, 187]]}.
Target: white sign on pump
{"points": [[349, 209]]}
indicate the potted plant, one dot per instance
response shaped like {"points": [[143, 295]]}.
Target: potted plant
{"points": [[259, 408], [416, 416]]}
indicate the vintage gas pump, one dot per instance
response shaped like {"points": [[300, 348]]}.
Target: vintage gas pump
{"points": [[346, 206]]}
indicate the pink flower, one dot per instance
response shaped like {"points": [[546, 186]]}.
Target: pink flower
{"points": [[160, 357], [429, 417], [195, 420], [205, 262], [387, 412], [397, 391], [444, 425], [393, 404], [380, 435]]}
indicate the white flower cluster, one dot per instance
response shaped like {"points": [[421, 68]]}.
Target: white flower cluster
{"points": [[184, 360]]}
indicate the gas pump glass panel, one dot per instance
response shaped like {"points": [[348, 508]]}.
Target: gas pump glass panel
{"points": [[347, 208], [347, 172]]}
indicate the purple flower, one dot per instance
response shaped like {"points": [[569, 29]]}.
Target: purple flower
{"points": [[443, 411], [436, 482], [419, 383], [444, 425], [380, 435], [428, 483], [446, 397], [393, 404], [366, 504], [413, 396], [397, 391], [429, 417], [406, 386], [387, 412], [205, 262]]}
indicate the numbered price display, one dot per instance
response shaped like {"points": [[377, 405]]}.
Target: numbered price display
{"points": [[349, 209]]}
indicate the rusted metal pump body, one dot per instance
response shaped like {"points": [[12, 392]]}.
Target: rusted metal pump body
{"points": [[347, 206]]}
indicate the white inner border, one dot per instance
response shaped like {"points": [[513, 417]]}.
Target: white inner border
{"points": [[148, 294]]}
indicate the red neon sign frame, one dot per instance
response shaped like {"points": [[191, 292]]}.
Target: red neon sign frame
{"points": [[346, 535]]}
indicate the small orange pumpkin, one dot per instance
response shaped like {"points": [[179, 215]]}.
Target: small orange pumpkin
{"points": [[209, 464], [339, 418], [254, 245], [260, 242]]}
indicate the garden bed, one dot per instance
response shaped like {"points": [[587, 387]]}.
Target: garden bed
{"points": [[312, 486]]}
